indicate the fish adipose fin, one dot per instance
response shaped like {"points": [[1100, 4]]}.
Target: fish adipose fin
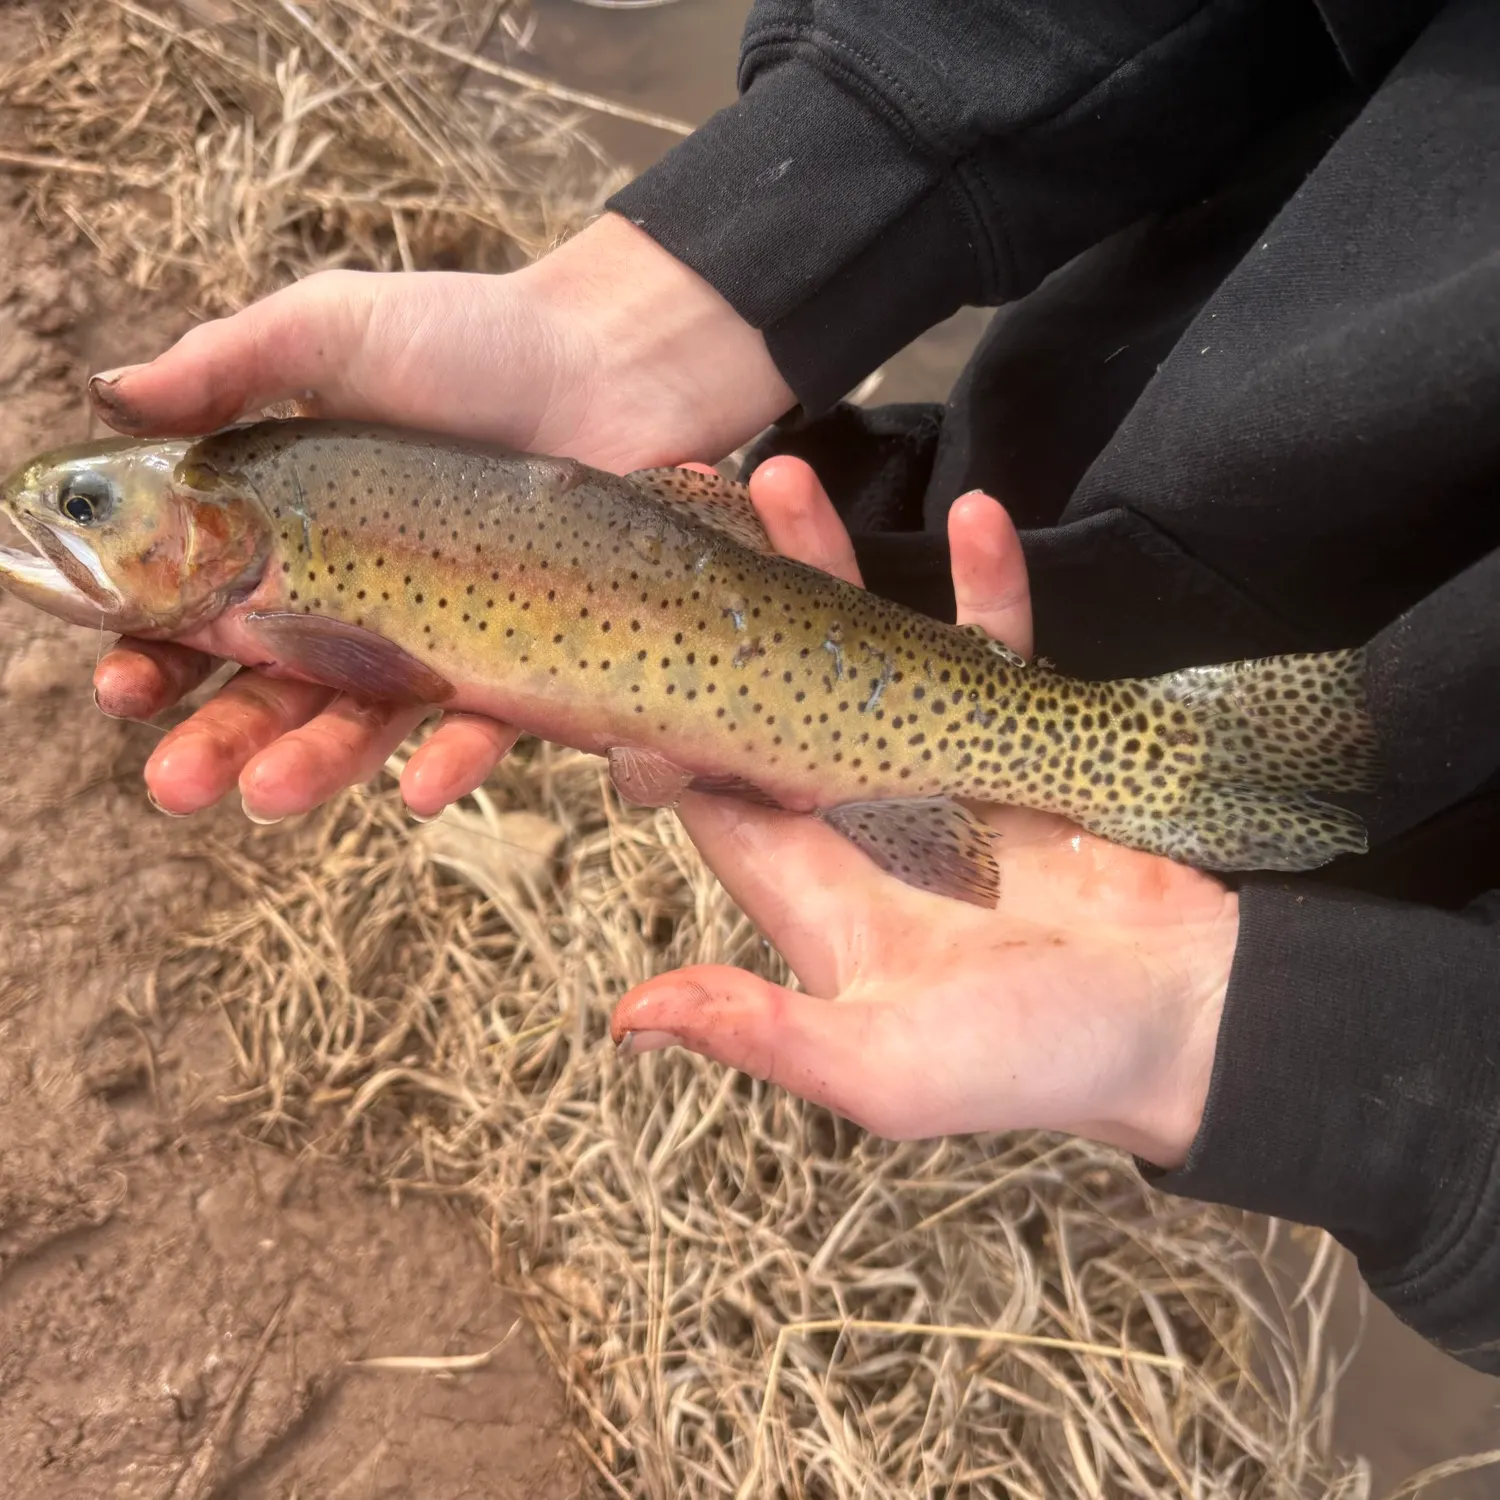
{"points": [[1268, 736], [995, 648], [348, 657], [708, 499], [930, 843]]}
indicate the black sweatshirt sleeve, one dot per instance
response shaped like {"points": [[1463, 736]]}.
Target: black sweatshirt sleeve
{"points": [[890, 161], [1356, 1085]]}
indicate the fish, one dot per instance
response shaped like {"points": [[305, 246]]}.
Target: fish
{"points": [[647, 619]]}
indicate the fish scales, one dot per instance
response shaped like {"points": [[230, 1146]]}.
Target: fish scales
{"points": [[529, 580], [639, 617]]}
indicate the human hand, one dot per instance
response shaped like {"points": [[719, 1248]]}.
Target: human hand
{"points": [[1088, 1001], [608, 350]]}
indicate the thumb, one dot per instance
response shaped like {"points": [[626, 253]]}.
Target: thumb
{"points": [[295, 345], [990, 582], [827, 1052]]}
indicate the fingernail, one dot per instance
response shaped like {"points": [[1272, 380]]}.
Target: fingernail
{"points": [[263, 822], [166, 812], [112, 377], [634, 1043], [115, 410], [141, 716], [417, 817]]}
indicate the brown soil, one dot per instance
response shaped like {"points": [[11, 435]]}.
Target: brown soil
{"points": [[179, 1307]]}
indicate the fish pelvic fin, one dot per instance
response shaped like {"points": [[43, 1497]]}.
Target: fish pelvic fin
{"points": [[1264, 738], [931, 843], [645, 778], [707, 499]]}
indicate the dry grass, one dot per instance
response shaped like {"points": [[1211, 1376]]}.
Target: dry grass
{"points": [[231, 144], [745, 1296]]}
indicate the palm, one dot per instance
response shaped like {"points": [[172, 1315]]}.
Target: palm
{"points": [[924, 1016]]}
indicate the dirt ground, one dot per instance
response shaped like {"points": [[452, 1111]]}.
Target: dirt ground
{"points": [[179, 1307]]}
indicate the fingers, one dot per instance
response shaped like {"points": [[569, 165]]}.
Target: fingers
{"points": [[139, 679], [801, 883], [290, 746], [461, 753], [345, 744], [816, 1049], [800, 518], [989, 571], [298, 341], [201, 759]]}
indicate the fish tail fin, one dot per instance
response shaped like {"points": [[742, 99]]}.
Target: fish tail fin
{"points": [[1283, 723], [1258, 741], [1223, 827]]}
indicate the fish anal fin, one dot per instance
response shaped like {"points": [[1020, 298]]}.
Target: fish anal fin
{"points": [[1226, 828], [708, 499], [930, 843], [645, 778], [348, 657]]}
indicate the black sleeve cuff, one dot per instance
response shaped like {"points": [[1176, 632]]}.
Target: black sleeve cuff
{"points": [[1356, 1086], [887, 164], [794, 203]]}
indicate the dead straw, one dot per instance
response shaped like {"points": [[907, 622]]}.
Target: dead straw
{"points": [[261, 139], [744, 1295]]}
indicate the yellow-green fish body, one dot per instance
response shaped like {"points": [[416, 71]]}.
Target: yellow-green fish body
{"points": [[645, 618]]}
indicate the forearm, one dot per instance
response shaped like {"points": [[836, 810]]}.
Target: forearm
{"points": [[1356, 1081]]}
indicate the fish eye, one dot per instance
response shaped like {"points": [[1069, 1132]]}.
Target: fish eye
{"points": [[85, 498]]}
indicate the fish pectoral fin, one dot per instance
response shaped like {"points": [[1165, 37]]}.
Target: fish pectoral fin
{"points": [[645, 778], [931, 843], [348, 657], [708, 499]]}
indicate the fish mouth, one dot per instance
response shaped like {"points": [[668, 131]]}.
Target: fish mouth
{"points": [[57, 579]]}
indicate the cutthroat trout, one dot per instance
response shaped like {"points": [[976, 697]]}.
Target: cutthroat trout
{"points": [[645, 618]]}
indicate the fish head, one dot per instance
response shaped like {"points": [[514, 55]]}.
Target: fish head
{"points": [[143, 538]]}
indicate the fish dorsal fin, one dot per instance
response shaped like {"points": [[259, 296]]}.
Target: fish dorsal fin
{"points": [[708, 499]]}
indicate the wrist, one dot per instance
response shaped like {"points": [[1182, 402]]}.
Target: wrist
{"points": [[1162, 1117], [665, 369]]}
